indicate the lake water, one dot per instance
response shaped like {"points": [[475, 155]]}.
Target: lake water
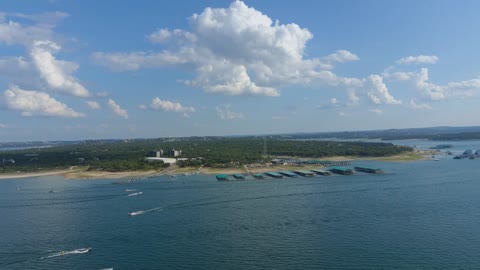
{"points": [[420, 215]]}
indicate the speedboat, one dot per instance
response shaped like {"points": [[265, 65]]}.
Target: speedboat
{"points": [[135, 194], [136, 213], [83, 250]]}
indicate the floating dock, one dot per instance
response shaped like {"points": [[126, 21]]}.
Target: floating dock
{"points": [[222, 177], [273, 174], [239, 176], [287, 173], [341, 170], [368, 170], [321, 172], [258, 176], [304, 173]]}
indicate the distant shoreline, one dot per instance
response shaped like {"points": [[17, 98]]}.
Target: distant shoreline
{"points": [[83, 173]]}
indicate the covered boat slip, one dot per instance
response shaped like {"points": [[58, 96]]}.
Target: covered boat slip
{"points": [[273, 174], [321, 172], [368, 169], [341, 170], [287, 173], [304, 172], [297, 173]]}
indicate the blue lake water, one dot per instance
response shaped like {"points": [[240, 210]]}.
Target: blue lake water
{"points": [[420, 215]]}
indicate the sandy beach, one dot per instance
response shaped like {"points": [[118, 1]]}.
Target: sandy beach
{"points": [[33, 174]]}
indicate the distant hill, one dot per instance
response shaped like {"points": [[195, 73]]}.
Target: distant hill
{"points": [[431, 133]]}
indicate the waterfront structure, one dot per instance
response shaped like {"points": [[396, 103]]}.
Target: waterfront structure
{"points": [[258, 176], [321, 172], [273, 174], [287, 173], [164, 159], [304, 173], [239, 176], [341, 170], [222, 177], [367, 169]]}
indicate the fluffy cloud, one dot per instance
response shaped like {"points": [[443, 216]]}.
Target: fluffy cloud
{"points": [[420, 59], [169, 106], [117, 109], [160, 36], [376, 111], [380, 91], [236, 51], [36, 35], [431, 90], [224, 112], [342, 56], [93, 105], [32, 103], [352, 96], [414, 105], [55, 72], [465, 85]]}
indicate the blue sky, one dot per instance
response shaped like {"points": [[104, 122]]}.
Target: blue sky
{"points": [[127, 69]]}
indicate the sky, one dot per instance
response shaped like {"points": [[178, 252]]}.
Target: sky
{"points": [[74, 70]]}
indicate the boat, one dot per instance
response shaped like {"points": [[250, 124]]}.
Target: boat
{"points": [[136, 213], [83, 250], [135, 194]]}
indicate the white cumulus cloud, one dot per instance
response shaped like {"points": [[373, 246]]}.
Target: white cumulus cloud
{"points": [[224, 112], [117, 109], [93, 104], [170, 106], [414, 105], [380, 91], [376, 111], [236, 51], [342, 56], [56, 73], [160, 36], [32, 103], [420, 59]]}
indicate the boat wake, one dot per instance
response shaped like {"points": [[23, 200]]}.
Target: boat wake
{"points": [[63, 253], [136, 213], [130, 190], [135, 194]]}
